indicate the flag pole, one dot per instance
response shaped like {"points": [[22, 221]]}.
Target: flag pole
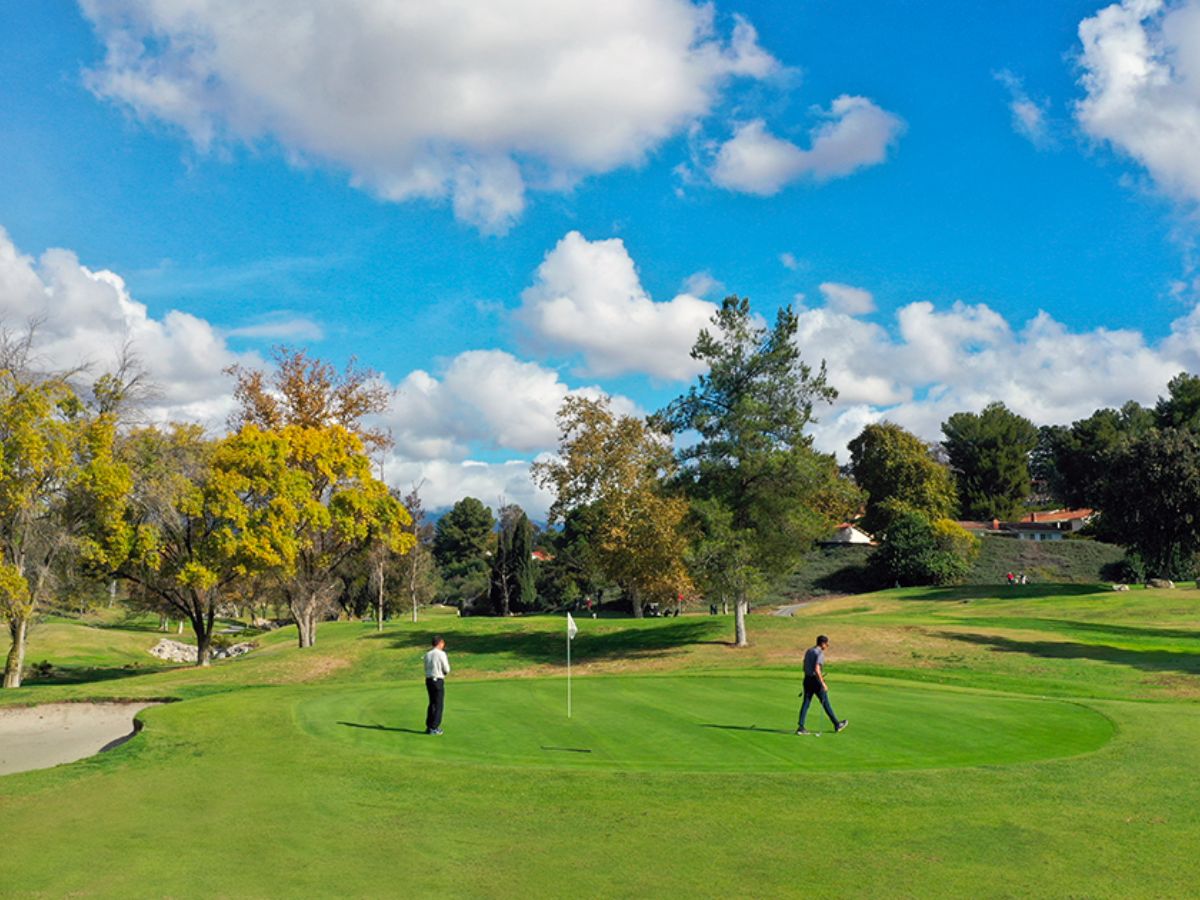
{"points": [[568, 673]]}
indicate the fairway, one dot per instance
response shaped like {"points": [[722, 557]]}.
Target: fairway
{"points": [[705, 723]]}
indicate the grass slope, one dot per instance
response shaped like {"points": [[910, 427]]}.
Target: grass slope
{"points": [[843, 569], [956, 778]]}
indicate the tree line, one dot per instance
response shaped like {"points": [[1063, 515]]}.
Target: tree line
{"points": [[718, 495]]}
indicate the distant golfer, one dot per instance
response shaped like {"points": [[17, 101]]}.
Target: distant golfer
{"points": [[814, 685], [437, 667]]}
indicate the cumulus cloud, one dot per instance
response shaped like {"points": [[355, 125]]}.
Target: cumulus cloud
{"points": [[86, 317], [845, 298], [855, 133], [937, 362], [1029, 116], [466, 100], [587, 298], [483, 397], [1141, 77]]}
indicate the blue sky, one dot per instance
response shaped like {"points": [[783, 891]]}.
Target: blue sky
{"points": [[931, 177]]}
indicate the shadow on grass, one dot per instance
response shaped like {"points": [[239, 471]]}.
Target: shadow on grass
{"points": [[1147, 660], [1070, 625], [86, 675], [754, 728], [1002, 591], [420, 731], [655, 638]]}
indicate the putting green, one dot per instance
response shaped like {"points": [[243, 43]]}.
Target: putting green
{"points": [[704, 723]]}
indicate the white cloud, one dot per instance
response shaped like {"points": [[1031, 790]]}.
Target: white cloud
{"points": [[280, 327], [789, 261], [444, 482], [702, 284], [1028, 115], [938, 362], [587, 299], [461, 99], [1141, 75], [483, 397], [86, 316], [856, 133], [844, 298]]}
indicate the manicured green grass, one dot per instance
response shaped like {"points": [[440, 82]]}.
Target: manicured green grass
{"points": [[1023, 742]]}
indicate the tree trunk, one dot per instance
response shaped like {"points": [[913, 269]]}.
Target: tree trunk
{"points": [[18, 629], [203, 650], [635, 600], [306, 623], [379, 608], [412, 584], [180, 631], [164, 622], [724, 606], [739, 622]]}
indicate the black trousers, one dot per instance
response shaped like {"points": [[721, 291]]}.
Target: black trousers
{"points": [[436, 688]]}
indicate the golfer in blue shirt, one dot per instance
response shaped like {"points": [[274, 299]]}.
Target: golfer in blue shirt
{"points": [[814, 685]]}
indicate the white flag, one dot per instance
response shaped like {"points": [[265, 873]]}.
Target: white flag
{"points": [[572, 630]]}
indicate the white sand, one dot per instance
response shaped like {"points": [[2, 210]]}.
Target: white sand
{"points": [[38, 737]]}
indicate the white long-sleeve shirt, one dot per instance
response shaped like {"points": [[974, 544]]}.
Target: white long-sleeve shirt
{"points": [[437, 664]]}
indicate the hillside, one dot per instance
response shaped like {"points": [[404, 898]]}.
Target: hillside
{"points": [[843, 570]]}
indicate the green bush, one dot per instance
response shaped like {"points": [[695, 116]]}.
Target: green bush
{"points": [[916, 551]]}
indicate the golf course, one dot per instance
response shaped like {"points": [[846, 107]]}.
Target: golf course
{"points": [[1007, 741]]}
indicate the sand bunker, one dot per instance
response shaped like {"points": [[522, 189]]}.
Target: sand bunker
{"points": [[38, 737]]}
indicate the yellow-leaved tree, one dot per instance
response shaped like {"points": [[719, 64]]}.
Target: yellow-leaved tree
{"points": [[308, 501], [180, 534], [54, 452], [615, 467]]}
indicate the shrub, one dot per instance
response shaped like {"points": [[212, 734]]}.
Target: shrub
{"points": [[916, 551]]}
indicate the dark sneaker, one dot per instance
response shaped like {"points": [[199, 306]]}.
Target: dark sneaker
{"points": [[430, 731], [803, 731], [841, 726]]}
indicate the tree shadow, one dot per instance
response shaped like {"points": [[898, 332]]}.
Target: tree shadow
{"points": [[753, 728], [1147, 660], [1003, 592], [420, 731], [1098, 628], [86, 674], [652, 639]]}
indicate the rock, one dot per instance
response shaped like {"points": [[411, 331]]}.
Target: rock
{"points": [[1120, 587], [1161, 583], [179, 652]]}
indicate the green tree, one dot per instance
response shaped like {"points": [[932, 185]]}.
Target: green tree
{"points": [[750, 412], [916, 551], [899, 473], [989, 452], [1181, 407], [1073, 460], [512, 576], [461, 545], [1151, 500], [614, 466]]}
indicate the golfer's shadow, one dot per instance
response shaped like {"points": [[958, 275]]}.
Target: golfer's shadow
{"points": [[420, 731], [748, 728]]}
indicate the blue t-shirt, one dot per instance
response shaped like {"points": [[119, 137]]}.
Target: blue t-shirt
{"points": [[813, 657]]}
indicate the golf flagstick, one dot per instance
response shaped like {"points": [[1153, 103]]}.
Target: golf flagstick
{"points": [[572, 630]]}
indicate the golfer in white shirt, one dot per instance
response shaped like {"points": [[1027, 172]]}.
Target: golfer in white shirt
{"points": [[437, 667]]}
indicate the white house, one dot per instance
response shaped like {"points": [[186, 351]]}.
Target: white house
{"points": [[848, 534]]}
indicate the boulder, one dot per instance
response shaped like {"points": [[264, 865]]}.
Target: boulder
{"points": [[179, 652], [1162, 583], [1120, 587]]}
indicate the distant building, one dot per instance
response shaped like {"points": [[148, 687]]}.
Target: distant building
{"points": [[1049, 525], [848, 534]]}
